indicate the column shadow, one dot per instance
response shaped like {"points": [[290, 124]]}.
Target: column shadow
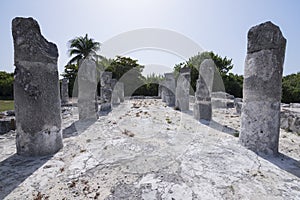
{"points": [[284, 162], [16, 169], [77, 127]]}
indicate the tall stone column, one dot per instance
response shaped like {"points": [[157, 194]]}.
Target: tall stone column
{"points": [[260, 119], [169, 90], [159, 91], [36, 91], [64, 92], [202, 107], [106, 91], [183, 89], [114, 96], [121, 91], [87, 90]]}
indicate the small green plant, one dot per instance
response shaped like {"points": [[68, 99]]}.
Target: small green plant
{"points": [[168, 120], [236, 134]]}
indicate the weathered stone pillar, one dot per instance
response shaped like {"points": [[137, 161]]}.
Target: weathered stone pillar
{"points": [[159, 91], [106, 91], [163, 91], [202, 107], [169, 91], [87, 90], [36, 91], [114, 96], [183, 89], [118, 93], [260, 119], [64, 92]]}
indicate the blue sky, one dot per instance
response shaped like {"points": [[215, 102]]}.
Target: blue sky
{"points": [[217, 25]]}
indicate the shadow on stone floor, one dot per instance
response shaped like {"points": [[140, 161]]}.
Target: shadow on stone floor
{"points": [[77, 127], [215, 125], [219, 127], [16, 169], [284, 162]]}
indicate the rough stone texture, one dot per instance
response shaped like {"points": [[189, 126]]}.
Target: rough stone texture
{"points": [[125, 156], [169, 89], [221, 95], [118, 93], [159, 91], [222, 103], [36, 90], [163, 92], [7, 124], [262, 89], [237, 100], [295, 105], [64, 92], [87, 90], [106, 91], [183, 89], [238, 107], [202, 107], [290, 120]]}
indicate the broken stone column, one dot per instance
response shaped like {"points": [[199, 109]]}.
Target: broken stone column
{"points": [[159, 91], [87, 90], [169, 91], [183, 89], [260, 119], [202, 107], [36, 91], [106, 91], [64, 92]]}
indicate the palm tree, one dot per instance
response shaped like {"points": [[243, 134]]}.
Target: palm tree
{"points": [[83, 47]]}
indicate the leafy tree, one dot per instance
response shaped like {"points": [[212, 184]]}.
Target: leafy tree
{"points": [[71, 71], [83, 47], [6, 85], [127, 71], [121, 65], [291, 88], [234, 84], [150, 87], [224, 65]]}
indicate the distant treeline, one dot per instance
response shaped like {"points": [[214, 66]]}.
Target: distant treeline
{"points": [[233, 85]]}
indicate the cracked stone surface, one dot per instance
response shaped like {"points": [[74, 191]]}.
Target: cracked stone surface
{"points": [[144, 149]]}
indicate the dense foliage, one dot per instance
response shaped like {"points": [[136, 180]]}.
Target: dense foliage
{"points": [[232, 83], [6, 85], [70, 73], [291, 88]]}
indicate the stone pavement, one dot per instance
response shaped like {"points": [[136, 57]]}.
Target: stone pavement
{"points": [[146, 150]]}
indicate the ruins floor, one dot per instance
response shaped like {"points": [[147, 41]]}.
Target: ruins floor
{"points": [[145, 150]]}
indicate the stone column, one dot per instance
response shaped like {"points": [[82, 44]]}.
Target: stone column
{"points": [[118, 93], [106, 91], [260, 119], [121, 91], [169, 91], [87, 90], [202, 107], [114, 96], [64, 92], [159, 91], [36, 91], [183, 89]]}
